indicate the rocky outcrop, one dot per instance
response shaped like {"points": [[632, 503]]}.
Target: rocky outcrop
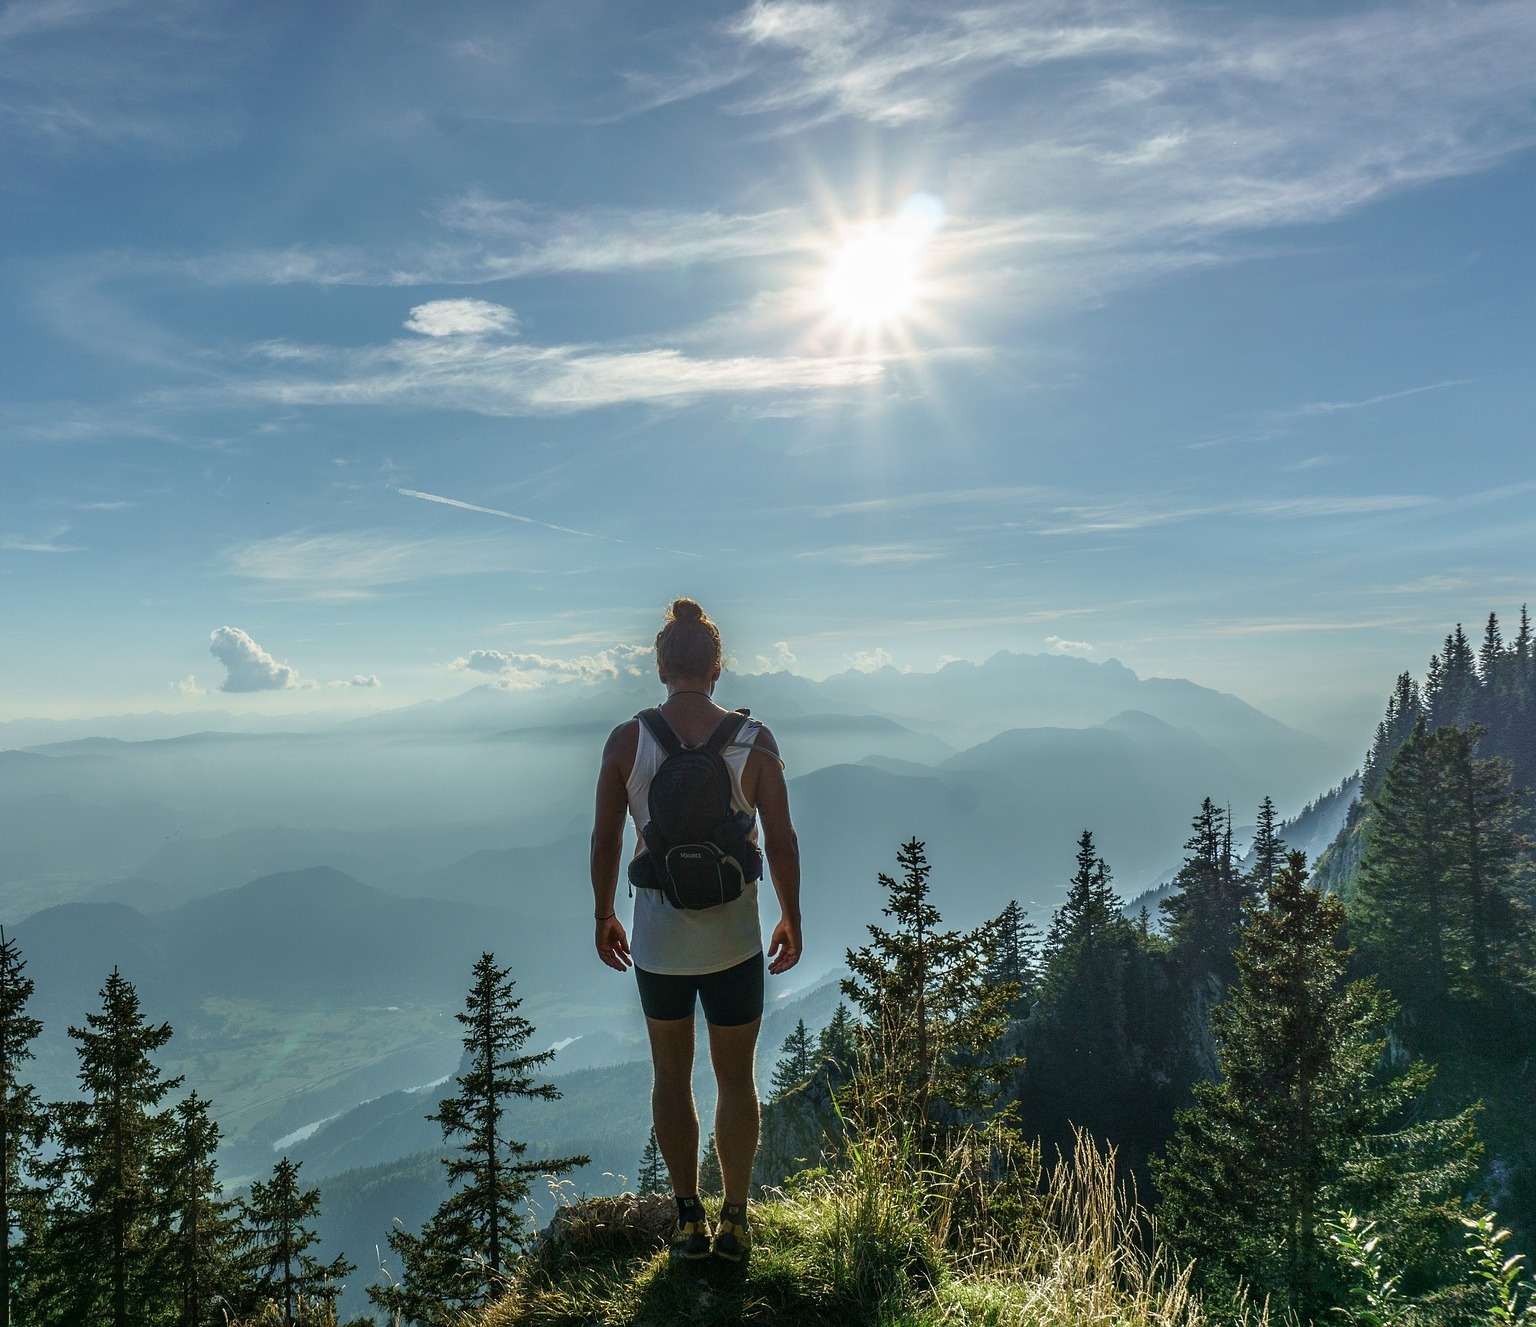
{"points": [[800, 1128]]}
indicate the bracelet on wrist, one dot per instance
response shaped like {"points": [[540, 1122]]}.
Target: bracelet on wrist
{"points": [[610, 916]]}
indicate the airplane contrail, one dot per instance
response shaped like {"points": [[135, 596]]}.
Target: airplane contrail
{"points": [[529, 520]]}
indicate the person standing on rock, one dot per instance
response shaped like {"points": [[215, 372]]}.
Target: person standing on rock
{"points": [[697, 780]]}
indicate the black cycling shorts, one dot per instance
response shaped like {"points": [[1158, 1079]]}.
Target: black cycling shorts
{"points": [[730, 998]]}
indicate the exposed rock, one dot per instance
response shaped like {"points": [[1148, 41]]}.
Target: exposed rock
{"points": [[800, 1128], [623, 1224]]}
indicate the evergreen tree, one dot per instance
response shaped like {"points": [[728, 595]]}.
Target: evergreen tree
{"points": [[653, 1177], [1268, 853], [1204, 915], [1434, 909], [1304, 1122], [206, 1248], [279, 1217], [1405, 707], [838, 1041], [109, 1230], [711, 1182], [1094, 1034], [466, 1246], [1015, 961], [797, 1061], [934, 1022], [1451, 696], [23, 1118]]}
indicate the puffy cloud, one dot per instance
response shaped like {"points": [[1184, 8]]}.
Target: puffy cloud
{"points": [[461, 317], [523, 672], [869, 661], [359, 680], [782, 658], [188, 687], [1060, 646], [250, 667]]}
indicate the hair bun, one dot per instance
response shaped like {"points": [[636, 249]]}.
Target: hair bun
{"points": [[685, 610]]}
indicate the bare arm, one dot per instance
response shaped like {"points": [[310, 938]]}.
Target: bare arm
{"points": [[608, 846], [782, 850]]}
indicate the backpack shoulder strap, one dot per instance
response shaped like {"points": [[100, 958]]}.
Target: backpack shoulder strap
{"points": [[661, 730], [725, 733]]}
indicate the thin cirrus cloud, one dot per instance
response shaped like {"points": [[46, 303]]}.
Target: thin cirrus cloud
{"points": [[360, 564], [1199, 124], [529, 520], [505, 239], [499, 377]]}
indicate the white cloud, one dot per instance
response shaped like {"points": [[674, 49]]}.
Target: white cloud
{"points": [[366, 680], [782, 659], [342, 567], [615, 239], [461, 317], [526, 671], [1060, 646], [23, 544], [1143, 136], [869, 661], [249, 667], [188, 687], [872, 555], [498, 378]]}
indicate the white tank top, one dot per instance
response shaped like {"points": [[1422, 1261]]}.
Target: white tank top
{"points": [[677, 941]]}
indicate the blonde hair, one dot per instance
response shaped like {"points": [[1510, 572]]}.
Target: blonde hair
{"points": [[688, 644]]}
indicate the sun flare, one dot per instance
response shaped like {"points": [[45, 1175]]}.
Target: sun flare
{"points": [[874, 278]]}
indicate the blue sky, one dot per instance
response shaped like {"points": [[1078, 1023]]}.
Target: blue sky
{"points": [[1196, 336]]}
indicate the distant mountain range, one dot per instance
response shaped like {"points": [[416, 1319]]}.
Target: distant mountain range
{"points": [[303, 903]]}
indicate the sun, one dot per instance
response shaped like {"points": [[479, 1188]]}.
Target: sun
{"points": [[873, 280]]}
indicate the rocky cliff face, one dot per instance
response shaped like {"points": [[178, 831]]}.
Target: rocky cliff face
{"points": [[800, 1128]]}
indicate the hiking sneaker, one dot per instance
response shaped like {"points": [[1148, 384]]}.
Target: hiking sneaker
{"points": [[733, 1240], [693, 1241]]}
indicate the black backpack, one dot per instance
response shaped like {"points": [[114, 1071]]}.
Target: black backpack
{"points": [[699, 850]]}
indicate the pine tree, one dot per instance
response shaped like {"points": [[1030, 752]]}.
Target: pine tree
{"points": [[1405, 707], [279, 1217], [838, 1041], [1083, 1068], [797, 1062], [1016, 959], [1268, 853], [1303, 1121], [1451, 697], [711, 1182], [653, 1177], [934, 1023], [23, 1119], [110, 1226], [465, 1247], [206, 1247], [1434, 908], [1204, 915]]}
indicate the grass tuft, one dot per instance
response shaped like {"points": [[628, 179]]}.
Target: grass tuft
{"points": [[882, 1242]]}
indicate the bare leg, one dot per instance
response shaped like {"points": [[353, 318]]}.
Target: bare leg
{"points": [[672, 1109], [733, 1051]]}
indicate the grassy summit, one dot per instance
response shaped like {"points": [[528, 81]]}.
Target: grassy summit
{"points": [[871, 1244]]}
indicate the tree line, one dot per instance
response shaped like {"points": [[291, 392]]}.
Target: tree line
{"points": [[1266, 1055], [114, 1214]]}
